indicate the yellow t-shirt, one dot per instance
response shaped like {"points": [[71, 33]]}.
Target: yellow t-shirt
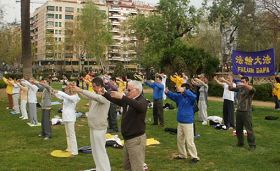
{"points": [[9, 88], [276, 90]]}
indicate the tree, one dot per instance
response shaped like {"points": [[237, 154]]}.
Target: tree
{"points": [[181, 58], [96, 33], [10, 42], [207, 37], [26, 41], [227, 14], [172, 20]]}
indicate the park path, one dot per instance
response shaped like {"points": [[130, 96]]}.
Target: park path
{"points": [[220, 99]]}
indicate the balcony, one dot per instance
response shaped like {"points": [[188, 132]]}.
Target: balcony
{"points": [[115, 10], [116, 23], [115, 16], [115, 30], [115, 37]]}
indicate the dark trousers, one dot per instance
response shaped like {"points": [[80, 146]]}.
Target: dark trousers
{"points": [[228, 113], [277, 102], [112, 117], [244, 119], [46, 123], [158, 112]]}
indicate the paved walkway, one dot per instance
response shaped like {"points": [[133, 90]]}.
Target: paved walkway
{"points": [[219, 99]]}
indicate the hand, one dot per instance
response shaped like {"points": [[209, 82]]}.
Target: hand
{"points": [[76, 89], [117, 95], [180, 89], [166, 90]]}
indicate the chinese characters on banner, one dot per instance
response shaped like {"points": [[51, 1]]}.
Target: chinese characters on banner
{"points": [[253, 64]]}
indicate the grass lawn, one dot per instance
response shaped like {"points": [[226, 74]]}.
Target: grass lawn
{"points": [[22, 149]]}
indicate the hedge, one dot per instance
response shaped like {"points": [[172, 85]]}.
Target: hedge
{"points": [[263, 91], [2, 84]]}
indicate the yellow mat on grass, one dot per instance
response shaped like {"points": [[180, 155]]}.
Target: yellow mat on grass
{"points": [[60, 153], [150, 141]]}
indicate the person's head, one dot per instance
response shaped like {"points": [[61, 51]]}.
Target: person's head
{"points": [[183, 87], [245, 80], [68, 89], [277, 79], [97, 84], [134, 89], [158, 78], [229, 77]]}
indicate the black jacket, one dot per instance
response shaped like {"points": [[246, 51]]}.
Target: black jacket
{"points": [[133, 117]]}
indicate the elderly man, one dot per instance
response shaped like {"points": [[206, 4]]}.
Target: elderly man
{"points": [[132, 125]]}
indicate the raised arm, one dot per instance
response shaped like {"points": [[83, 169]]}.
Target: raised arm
{"points": [[93, 96], [218, 81], [62, 95], [118, 102], [138, 105]]}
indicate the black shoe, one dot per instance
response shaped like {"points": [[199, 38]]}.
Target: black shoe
{"points": [[239, 145], [194, 160]]}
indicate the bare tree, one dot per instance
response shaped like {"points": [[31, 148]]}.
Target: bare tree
{"points": [[26, 58]]}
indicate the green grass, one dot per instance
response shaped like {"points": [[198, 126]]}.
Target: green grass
{"points": [[22, 149]]}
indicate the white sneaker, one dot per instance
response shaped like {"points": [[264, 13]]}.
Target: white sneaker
{"points": [[204, 123]]}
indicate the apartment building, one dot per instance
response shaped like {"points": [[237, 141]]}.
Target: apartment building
{"points": [[51, 31]]}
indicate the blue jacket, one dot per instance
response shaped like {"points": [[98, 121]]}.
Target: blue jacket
{"points": [[158, 90], [185, 102]]}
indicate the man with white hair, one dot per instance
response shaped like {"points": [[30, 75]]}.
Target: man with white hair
{"points": [[133, 124]]}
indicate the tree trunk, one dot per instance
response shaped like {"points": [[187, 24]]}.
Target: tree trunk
{"points": [[26, 58]]}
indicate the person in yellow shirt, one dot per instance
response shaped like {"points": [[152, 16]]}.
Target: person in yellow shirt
{"points": [[177, 79], [121, 82], [276, 93], [9, 90]]}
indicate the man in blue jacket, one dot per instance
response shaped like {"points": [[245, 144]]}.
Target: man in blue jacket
{"points": [[185, 100], [158, 89]]}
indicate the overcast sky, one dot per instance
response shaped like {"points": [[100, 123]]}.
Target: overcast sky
{"points": [[12, 9]]}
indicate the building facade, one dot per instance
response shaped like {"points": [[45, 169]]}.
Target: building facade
{"points": [[51, 29]]}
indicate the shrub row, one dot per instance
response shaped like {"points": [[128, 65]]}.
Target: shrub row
{"points": [[2, 84], [263, 91]]}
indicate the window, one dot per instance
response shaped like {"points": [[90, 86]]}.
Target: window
{"points": [[68, 55], [56, 24], [60, 8], [49, 55], [56, 8], [59, 24], [60, 16], [50, 8], [50, 31], [55, 32], [56, 16], [49, 23], [69, 17], [69, 9], [50, 15], [59, 31]]}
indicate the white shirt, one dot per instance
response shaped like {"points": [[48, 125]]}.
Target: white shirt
{"points": [[16, 89], [32, 90], [228, 95], [69, 106], [164, 85]]}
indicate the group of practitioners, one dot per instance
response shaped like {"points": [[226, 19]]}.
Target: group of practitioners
{"points": [[104, 92]]}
